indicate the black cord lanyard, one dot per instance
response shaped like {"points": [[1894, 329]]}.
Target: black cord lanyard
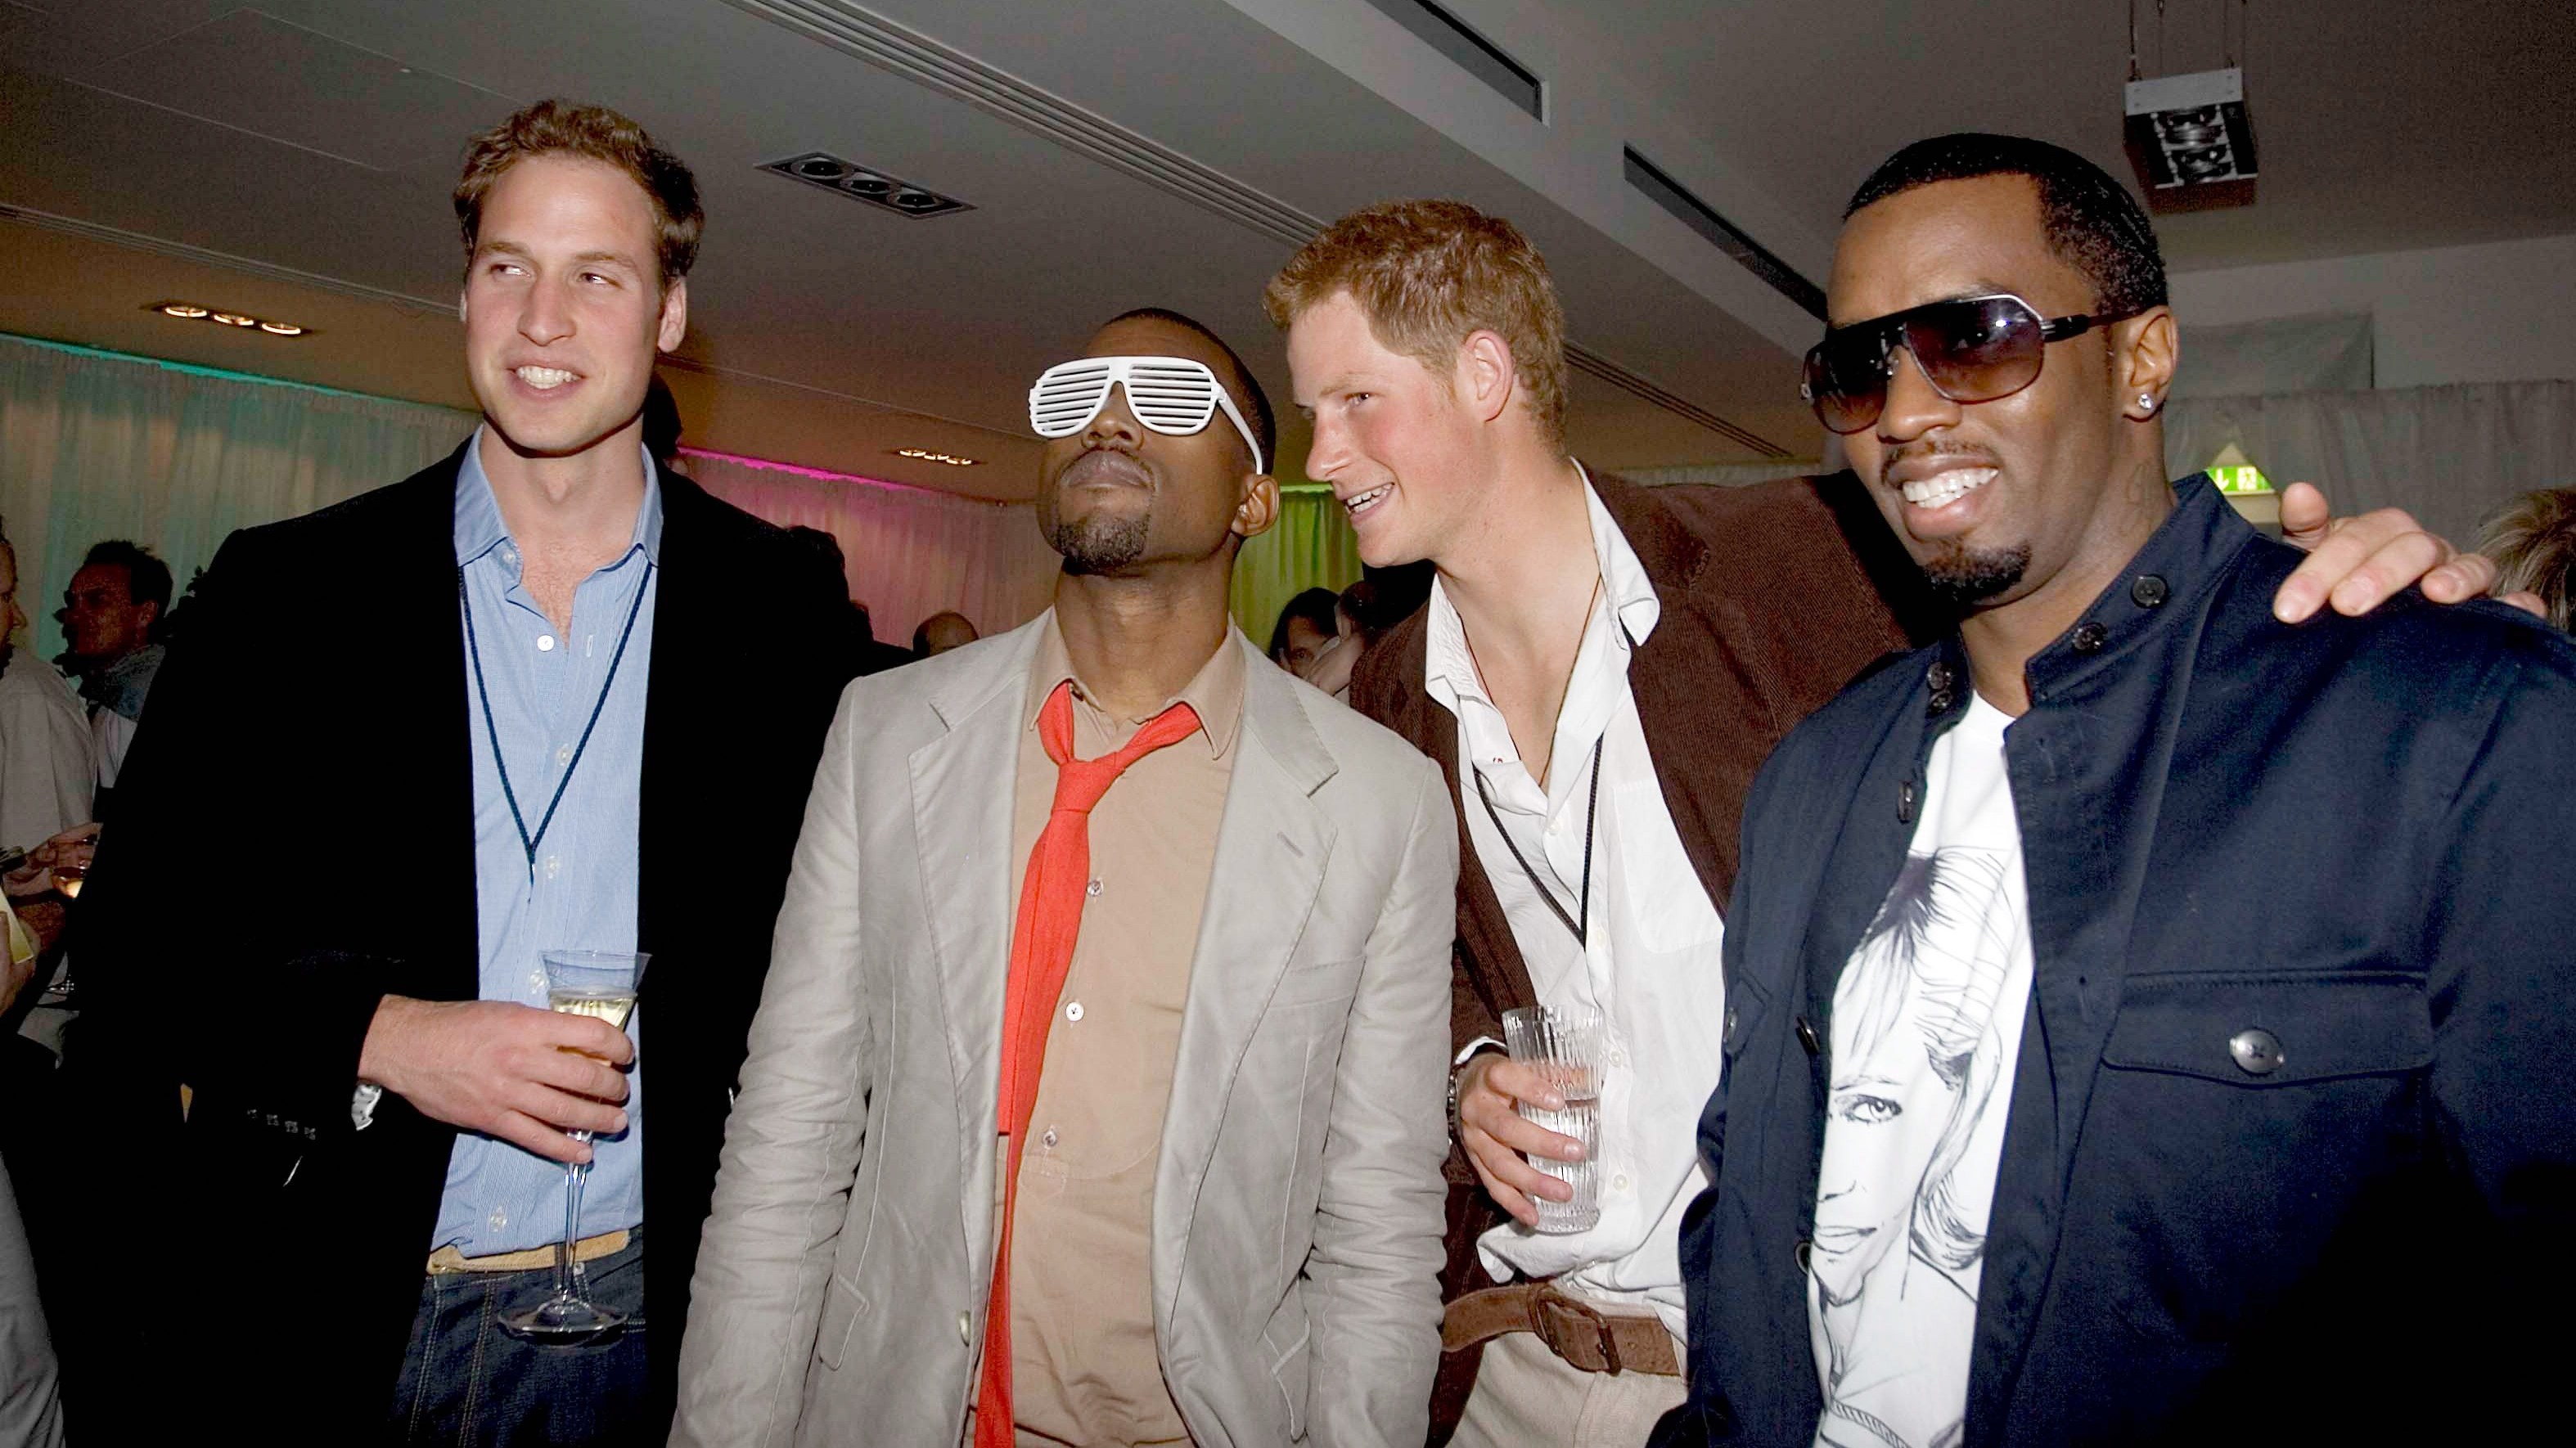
{"points": [[1580, 922], [492, 729]]}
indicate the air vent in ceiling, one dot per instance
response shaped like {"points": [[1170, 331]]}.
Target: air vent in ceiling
{"points": [[1480, 57], [1699, 216], [866, 183]]}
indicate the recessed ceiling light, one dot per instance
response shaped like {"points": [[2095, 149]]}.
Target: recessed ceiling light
{"points": [[199, 312], [866, 183], [926, 455]]}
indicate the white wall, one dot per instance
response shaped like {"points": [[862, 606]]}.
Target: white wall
{"points": [[2502, 312]]}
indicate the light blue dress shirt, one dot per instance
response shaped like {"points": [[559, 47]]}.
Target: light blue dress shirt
{"points": [[582, 893]]}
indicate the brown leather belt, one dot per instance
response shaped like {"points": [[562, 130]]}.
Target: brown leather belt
{"points": [[1583, 1335], [447, 1261]]}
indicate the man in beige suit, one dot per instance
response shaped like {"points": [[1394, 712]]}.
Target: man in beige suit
{"points": [[1225, 1223]]}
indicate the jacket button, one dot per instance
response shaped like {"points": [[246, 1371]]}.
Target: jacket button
{"points": [[2148, 591], [1942, 699], [1730, 1025], [2257, 1051], [1807, 1037], [1939, 678], [2089, 638], [966, 1328], [1804, 1252], [1905, 802]]}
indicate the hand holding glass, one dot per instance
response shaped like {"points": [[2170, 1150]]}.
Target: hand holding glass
{"points": [[602, 985], [1564, 1044]]}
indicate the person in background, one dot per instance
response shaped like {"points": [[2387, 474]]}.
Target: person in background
{"points": [[1330, 668], [31, 1403], [1600, 670], [48, 755], [110, 616], [941, 632], [662, 427], [2533, 542], [1186, 1105], [1305, 628], [2136, 1002], [584, 702]]}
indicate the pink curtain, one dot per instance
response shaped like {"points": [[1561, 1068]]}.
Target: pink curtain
{"points": [[912, 552]]}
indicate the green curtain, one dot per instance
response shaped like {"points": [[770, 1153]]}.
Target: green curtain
{"points": [[100, 445], [1311, 546]]}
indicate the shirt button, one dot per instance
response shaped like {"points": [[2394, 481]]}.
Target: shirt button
{"points": [[563, 754], [966, 1328], [499, 1219], [1092, 889], [545, 643], [1049, 1138], [1619, 1183], [1618, 1058], [554, 866], [1073, 1012]]}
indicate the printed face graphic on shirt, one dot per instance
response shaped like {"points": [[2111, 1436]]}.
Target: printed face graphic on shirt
{"points": [[1913, 1073]]}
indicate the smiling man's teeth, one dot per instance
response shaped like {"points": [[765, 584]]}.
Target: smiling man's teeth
{"points": [[544, 378], [1943, 488], [1359, 503]]}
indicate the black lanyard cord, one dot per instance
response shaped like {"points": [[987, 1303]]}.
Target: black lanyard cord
{"points": [[492, 729], [1580, 922]]}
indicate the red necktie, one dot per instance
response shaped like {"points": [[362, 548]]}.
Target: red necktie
{"points": [[1041, 955]]}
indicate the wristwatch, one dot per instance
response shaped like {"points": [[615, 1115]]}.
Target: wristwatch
{"points": [[1474, 1048]]}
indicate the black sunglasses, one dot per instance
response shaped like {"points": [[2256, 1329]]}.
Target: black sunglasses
{"points": [[1972, 349]]}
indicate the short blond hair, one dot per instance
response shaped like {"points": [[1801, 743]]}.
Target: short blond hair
{"points": [[2533, 543], [1427, 274], [593, 133]]}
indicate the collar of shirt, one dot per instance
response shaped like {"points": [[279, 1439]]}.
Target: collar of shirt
{"points": [[1215, 693], [1592, 693], [480, 528]]}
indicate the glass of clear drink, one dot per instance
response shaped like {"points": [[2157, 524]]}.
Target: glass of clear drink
{"points": [[602, 985], [1565, 1043]]}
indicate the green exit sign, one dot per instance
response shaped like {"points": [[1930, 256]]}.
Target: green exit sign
{"points": [[2240, 481]]}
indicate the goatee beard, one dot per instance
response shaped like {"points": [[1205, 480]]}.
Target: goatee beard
{"points": [[1099, 545], [1963, 577]]}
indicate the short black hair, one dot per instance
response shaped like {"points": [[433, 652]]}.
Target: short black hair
{"points": [[2094, 225], [147, 578], [1317, 607], [1254, 401]]}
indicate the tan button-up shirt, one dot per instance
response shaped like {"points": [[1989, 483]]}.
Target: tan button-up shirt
{"points": [[1083, 1364]]}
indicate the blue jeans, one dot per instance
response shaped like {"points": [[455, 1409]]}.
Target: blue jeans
{"points": [[466, 1381]]}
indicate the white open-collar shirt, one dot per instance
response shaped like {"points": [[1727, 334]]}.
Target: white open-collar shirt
{"points": [[1652, 962]]}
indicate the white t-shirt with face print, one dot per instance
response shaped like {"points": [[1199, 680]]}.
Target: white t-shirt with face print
{"points": [[1927, 1022]]}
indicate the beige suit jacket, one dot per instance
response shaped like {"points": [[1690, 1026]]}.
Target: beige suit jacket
{"points": [[1298, 1205]]}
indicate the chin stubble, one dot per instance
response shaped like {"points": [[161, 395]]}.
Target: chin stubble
{"points": [[1099, 545], [1964, 577]]}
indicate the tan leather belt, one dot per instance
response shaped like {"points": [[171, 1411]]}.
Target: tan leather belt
{"points": [[535, 1259], [1583, 1335]]}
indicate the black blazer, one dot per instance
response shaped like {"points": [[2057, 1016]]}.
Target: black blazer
{"points": [[295, 841], [2288, 1148]]}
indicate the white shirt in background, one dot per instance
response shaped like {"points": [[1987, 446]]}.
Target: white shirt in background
{"points": [[1926, 1030], [47, 766], [1651, 965]]}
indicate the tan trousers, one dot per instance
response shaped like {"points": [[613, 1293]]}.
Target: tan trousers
{"points": [[1528, 1397]]}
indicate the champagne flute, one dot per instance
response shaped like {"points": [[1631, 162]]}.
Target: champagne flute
{"points": [[602, 985]]}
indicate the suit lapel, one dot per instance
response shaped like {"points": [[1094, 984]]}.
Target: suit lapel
{"points": [[1271, 849], [962, 795]]}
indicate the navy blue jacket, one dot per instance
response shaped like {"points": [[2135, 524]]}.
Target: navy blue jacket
{"points": [[2353, 834]]}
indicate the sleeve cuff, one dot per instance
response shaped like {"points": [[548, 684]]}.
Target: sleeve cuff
{"points": [[1481, 1043]]}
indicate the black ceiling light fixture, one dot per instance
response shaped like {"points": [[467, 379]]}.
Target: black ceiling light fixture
{"points": [[866, 183], [2188, 135]]}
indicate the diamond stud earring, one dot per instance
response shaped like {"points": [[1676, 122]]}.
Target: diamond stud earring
{"points": [[2147, 402]]}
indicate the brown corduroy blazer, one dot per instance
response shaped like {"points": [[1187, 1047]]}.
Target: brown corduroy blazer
{"points": [[1773, 597]]}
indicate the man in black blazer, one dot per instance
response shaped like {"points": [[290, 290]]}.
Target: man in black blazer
{"points": [[318, 1023]]}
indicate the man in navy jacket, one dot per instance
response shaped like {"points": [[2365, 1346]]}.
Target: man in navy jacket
{"points": [[2145, 1018]]}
